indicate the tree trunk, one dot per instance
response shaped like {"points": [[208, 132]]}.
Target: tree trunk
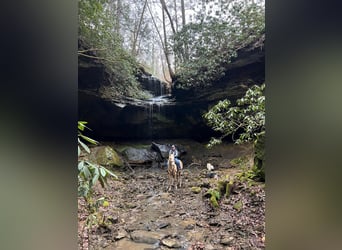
{"points": [[176, 16], [163, 44], [186, 48], [166, 48], [137, 31], [168, 14], [118, 16], [183, 12]]}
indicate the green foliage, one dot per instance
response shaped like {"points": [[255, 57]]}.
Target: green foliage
{"points": [[213, 196], [95, 217], [249, 174], [89, 173], [213, 201], [99, 38], [247, 118], [204, 47], [239, 161]]}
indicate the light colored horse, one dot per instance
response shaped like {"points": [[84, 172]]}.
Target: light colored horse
{"points": [[173, 172]]}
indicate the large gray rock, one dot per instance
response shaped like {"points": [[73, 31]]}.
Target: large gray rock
{"points": [[164, 149], [136, 156], [161, 149]]}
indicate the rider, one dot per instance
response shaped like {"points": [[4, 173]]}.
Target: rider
{"points": [[174, 151]]}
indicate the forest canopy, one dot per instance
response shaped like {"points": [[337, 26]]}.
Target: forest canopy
{"points": [[191, 41], [205, 47]]}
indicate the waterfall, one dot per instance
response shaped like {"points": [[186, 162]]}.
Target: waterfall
{"points": [[154, 108]]}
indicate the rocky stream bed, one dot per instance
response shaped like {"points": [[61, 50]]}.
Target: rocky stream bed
{"points": [[140, 213]]}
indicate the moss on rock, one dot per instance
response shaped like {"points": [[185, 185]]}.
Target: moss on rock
{"points": [[238, 206], [196, 190], [106, 156]]}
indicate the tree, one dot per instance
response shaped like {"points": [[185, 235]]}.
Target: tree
{"points": [[100, 39], [137, 30], [205, 46], [247, 119]]}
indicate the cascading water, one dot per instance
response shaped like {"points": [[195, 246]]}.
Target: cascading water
{"points": [[154, 107]]}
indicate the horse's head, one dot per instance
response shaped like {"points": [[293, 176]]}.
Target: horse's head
{"points": [[171, 158]]}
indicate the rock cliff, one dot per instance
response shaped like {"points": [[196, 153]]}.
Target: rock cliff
{"points": [[176, 115]]}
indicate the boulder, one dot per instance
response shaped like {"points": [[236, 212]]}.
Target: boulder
{"points": [[107, 156], [164, 149], [140, 156]]}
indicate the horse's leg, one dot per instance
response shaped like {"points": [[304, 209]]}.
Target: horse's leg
{"points": [[173, 177], [180, 178], [169, 180], [176, 181]]}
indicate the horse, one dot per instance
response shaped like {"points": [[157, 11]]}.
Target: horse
{"points": [[173, 172]]}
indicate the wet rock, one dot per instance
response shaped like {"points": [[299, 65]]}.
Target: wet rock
{"points": [[165, 196], [205, 185], [147, 237], [201, 224], [209, 247], [113, 219], [188, 224], [214, 222], [212, 175], [189, 227], [120, 234], [131, 205], [171, 243], [126, 244], [227, 240], [162, 225], [135, 227], [103, 243]]}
